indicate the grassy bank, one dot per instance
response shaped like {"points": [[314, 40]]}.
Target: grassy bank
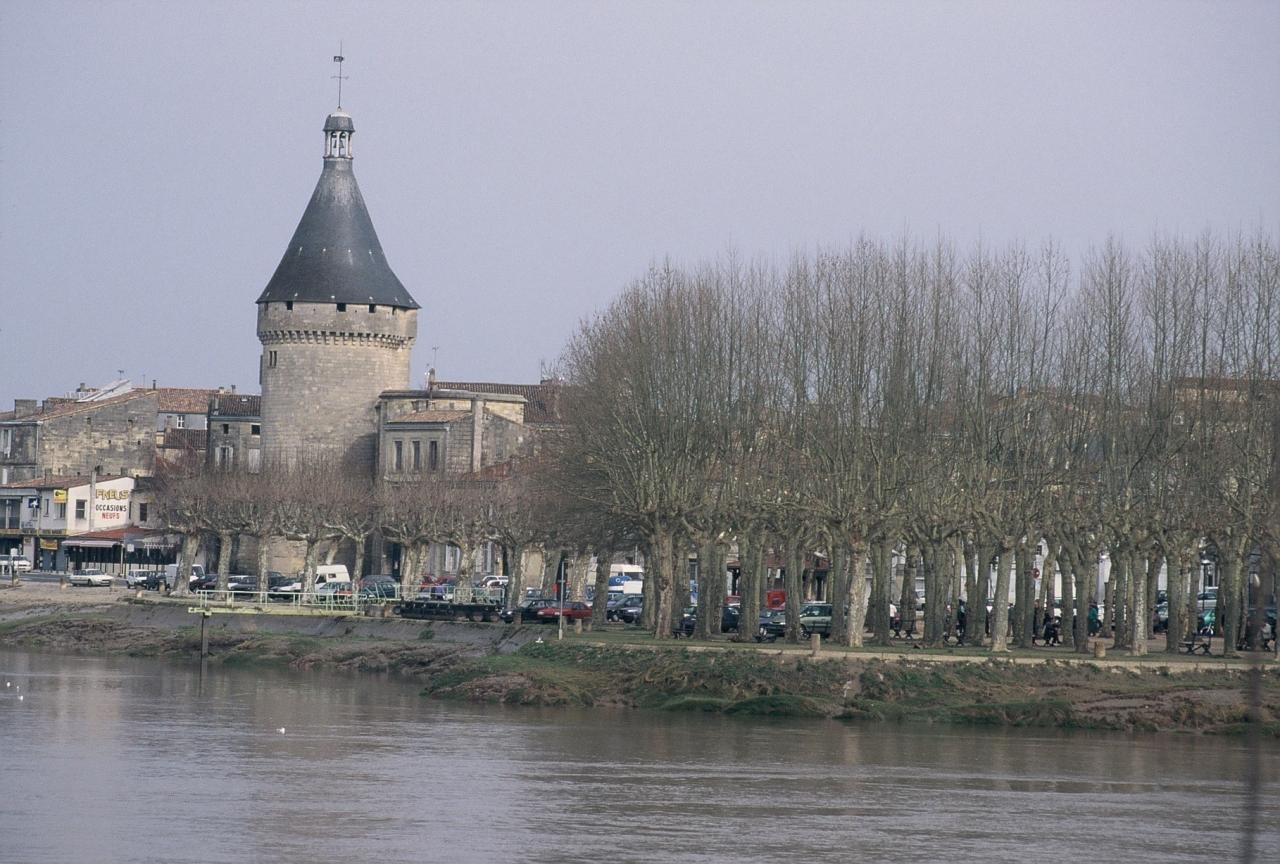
{"points": [[482, 663], [765, 683]]}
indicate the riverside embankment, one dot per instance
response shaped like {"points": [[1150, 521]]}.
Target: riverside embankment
{"points": [[523, 665]]}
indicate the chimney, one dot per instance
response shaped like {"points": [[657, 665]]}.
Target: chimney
{"points": [[24, 407], [431, 379], [153, 383], [233, 388]]}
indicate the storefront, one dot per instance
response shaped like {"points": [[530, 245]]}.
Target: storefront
{"points": [[118, 550]]}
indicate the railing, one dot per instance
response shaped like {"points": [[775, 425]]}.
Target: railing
{"points": [[325, 601]]}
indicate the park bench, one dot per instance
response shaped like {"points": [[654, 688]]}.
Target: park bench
{"points": [[1200, 643]]}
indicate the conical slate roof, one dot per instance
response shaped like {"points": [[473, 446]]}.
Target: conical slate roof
{"points": [[335, 256]]}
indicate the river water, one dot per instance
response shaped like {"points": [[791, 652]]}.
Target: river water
{"points": [[115, 760]]}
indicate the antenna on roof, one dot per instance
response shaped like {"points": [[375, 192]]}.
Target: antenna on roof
{"points": [[338, 58]]}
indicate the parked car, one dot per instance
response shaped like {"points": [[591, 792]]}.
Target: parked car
{"points": [[334, 589], [815, 618], [573, 610], [378, 590], [1207, 599], [137, 578], [527, 611], [632, 612], [156, 580], [772, 624], [18, 563], [613, 610], [90, 579], [242, 584], [729, 617]]}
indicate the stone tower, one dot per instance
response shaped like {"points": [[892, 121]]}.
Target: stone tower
{"points": [[336, 325]]}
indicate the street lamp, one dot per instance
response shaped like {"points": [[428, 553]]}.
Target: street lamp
{"points": [[560, 580]]}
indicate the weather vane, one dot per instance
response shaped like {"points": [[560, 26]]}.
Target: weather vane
{"points": [[338, 58]]}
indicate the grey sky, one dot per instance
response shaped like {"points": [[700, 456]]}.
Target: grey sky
{"points": [[523, 161]]}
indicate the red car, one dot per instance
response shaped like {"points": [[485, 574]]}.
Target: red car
{"points": [[572, 611]]}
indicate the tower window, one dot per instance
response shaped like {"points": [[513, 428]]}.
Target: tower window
{"points": [[271, 359], [255, 429], [226, 428], [342, 307], [288, 305], [373, 307]]}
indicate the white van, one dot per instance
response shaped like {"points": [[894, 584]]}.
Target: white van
{"points": [[332, 573], [171, 574], [627, 578]]}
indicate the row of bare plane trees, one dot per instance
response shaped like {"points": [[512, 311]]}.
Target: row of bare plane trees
{"points": [[960, 410], [974, 415]]}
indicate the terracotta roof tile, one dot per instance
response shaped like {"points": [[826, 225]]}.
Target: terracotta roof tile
{"points": [[186, 439], [184, 400]]}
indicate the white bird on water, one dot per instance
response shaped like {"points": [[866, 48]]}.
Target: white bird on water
{"points": [[20, 698], [281, 730]]}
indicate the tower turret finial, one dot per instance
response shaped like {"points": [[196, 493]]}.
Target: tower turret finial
{"points": [[338, 58]]}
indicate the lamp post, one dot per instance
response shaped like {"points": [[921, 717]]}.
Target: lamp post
{"points": [[560, 574]]}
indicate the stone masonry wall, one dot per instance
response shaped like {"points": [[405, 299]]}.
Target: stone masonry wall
{"points": [[329, 369], [117, 436]]}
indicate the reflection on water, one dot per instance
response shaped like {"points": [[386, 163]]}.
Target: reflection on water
{"points": [[133, 760]]}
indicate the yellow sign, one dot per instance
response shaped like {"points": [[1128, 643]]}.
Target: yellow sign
{"points": [[59, 496], [49, 545]]}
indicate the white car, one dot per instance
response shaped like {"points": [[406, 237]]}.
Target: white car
{"points": [[91, 578], [17, 562]]}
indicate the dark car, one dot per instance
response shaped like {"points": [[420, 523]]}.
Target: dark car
{"points": [[814, 618], [156, 581], [242, 584], [378, 590], [207, 582], [729, 617], [626, 608]]}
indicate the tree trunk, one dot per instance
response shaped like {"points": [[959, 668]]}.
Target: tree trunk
{"points": [[1027, 627], [930, 556], [1085, 565], [1000, 603], [1228, 598], [357, 572], [1175, 559], [718, 587], [224, 558], [706, 586], [907, 594], [515, 577], [881, 561], [186, 557], [749, 557], [600, 603], [310, 559], [263, 558], [681, 594], [791, 583], [1019, 618], [663, 546], [838, 586], [1067, 625], [1139, 615], [982, 590], [857, 594]]}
